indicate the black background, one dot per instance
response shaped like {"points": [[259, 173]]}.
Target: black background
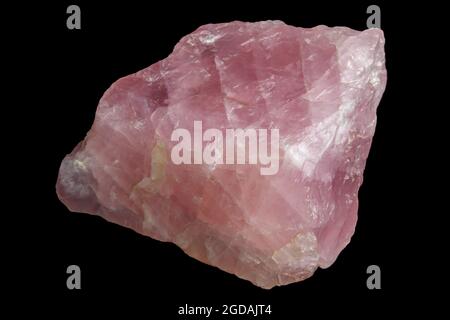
{"points": [[124, 271]]}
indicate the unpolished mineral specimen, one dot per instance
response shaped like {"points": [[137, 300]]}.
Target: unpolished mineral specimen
{"points": [[319, 87]]}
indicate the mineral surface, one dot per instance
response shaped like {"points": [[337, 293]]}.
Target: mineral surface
{"points": [[320, 87]]}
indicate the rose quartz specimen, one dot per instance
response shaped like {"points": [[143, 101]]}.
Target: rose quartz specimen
{"points": [[320, 87]]}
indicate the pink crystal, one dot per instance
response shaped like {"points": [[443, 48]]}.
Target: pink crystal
{"points": [[320, 87]]}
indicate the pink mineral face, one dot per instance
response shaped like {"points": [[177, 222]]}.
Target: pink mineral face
{"points": [[245, 147]]}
